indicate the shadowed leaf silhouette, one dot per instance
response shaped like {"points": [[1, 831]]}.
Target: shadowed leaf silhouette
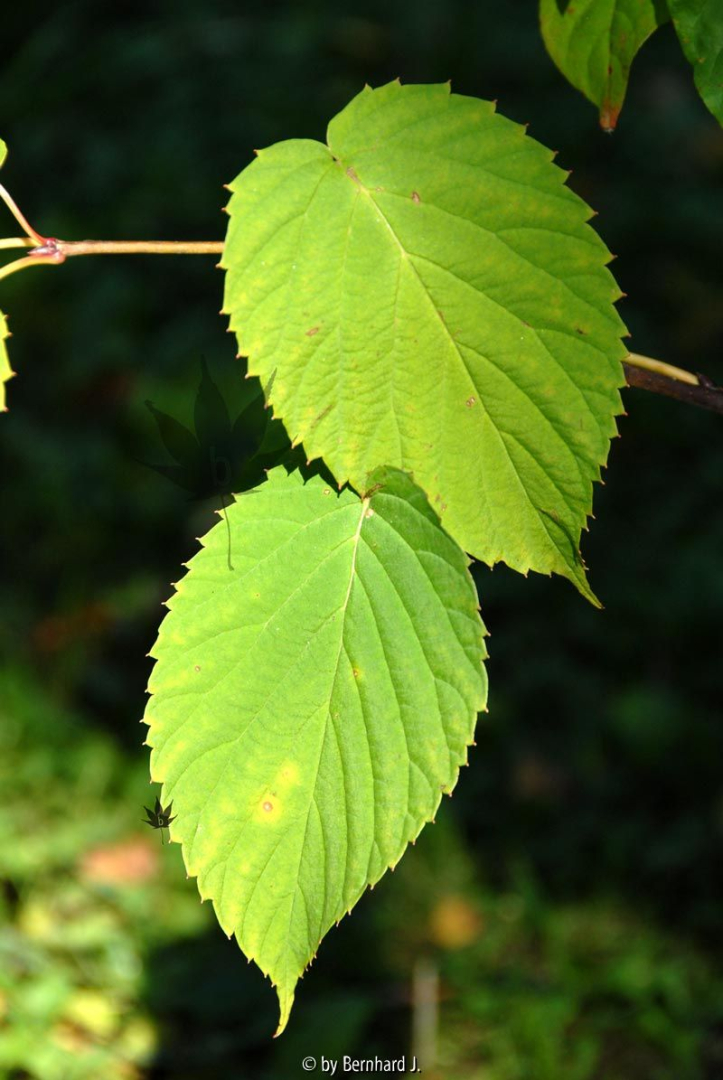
{"points": [[219, 457]]}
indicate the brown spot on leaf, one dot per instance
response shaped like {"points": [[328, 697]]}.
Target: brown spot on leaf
{"points": [[470, 402], [318, 419], [314, 330], [415, 197]]}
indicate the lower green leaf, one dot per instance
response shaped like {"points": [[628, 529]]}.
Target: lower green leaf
{"points": [[310, 707], [6, 372]]}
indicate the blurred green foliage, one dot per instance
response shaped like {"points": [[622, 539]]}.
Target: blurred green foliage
{"points": [[570, 894], [110, 967]]}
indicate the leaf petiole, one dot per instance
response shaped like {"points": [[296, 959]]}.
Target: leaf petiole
{"points": [[33, 235]]}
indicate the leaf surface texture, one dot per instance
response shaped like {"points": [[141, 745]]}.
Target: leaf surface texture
{"points": [[310, 707], [424, 292]]}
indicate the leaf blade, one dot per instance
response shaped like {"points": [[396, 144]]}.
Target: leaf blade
{"points": [[594, 42], [334, 707], [699, 26], [6, 372], [435, 302]]}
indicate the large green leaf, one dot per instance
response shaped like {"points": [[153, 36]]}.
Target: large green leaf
{"points": [[310, 707], [594, 42], [424, 292], [699, 25], [6, 371]]}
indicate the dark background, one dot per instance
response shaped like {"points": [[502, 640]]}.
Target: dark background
{"points": [[570, 895]]}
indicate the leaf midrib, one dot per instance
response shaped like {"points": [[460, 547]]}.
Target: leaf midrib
{"points": [[408, 258], [312, 787]]}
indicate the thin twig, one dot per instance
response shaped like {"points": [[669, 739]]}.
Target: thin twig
{"points": [[140, 247], [640, 371], [425, 1012], [695, 390], [26, 261], [16, 242], [649, 364], [19, 216]]}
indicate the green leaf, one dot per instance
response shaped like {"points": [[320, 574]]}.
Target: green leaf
{"points": [[310, 707], [426, 294], [699, 25], [594, 42], [6, 372]]}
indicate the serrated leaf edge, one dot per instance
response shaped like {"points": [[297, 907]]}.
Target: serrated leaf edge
{"points": [[286, 999]]}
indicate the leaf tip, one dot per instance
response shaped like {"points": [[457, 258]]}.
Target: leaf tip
{"points": [[609, 114], [286, 1000]]}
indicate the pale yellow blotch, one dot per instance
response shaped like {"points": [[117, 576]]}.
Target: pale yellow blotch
{"points": [[288, 775], [270, 807]]}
